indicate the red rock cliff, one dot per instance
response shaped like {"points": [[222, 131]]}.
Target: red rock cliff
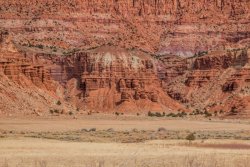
{"points": [[167, 26]]}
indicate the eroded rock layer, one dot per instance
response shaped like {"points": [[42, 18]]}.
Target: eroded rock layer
{"points": [[165, 26], [218, 81], [103, 79], [126, 55], [111, 78]]}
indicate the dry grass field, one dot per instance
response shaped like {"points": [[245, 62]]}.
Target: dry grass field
{"points": [[27, 152], [126, 142]]}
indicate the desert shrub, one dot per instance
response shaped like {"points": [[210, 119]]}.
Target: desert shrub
{"points": [[157, 114], [135, 130], [207, 114], [190, 137], [179, 115], [161, 129], [197, 112], [150, 114], [51, 111], [71, 113], [233, 110], [171, 114], [183, 113], [117, 113], [58, 102], [221, 111], [110, 130], [138, 114], [84, 130], [40, 46], [92, 130], [55, 111]]}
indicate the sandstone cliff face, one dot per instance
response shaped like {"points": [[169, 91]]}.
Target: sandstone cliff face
{"points": [[13, 65], [103, 79], [214, 82], [164, 26], [98, 54], [222, 60], [110, 78], [25, 87], [132, 7]]}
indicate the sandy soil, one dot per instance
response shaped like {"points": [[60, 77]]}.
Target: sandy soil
{"points": [[100, 123]]}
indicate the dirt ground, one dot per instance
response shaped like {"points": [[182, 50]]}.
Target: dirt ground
{"points": [[124, 141], [119, 123]]}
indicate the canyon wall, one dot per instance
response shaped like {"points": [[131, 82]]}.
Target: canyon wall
{"points": [[126, 55], [111, 78], [218, 81], [103, 79], [165, 26]]}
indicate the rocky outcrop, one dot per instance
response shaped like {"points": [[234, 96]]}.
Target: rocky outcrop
{"points": [[221, 60], [171, 66], [110, 77], [14, 65], [210, 67], [104, 79], [130, 73], [241, 79], [215, 81]]}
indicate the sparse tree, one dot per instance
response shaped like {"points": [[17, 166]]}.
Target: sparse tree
{"points": [[190, 137]]}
